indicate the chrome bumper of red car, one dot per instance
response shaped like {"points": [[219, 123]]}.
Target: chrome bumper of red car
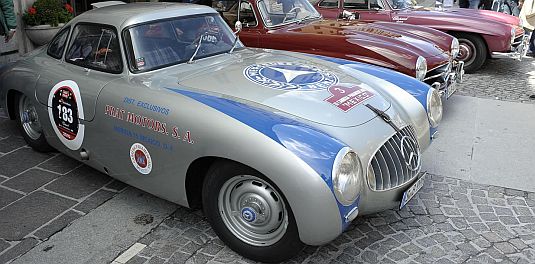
{"points": [[517, 52], [449, 87]]}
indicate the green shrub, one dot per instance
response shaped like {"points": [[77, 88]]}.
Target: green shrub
{"points": [[48, 12]]}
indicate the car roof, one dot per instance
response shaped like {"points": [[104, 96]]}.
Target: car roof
{"points": [[128, 14]]}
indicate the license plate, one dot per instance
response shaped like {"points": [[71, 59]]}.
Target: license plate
{"points": [[409, 193], [450, 90]]}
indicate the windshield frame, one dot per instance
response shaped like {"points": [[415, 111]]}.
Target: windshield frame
{"points": [[129, 52], [259, 10]]}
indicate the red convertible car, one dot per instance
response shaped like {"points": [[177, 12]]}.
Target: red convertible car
{"points": [[482, 34], [295, 25]]}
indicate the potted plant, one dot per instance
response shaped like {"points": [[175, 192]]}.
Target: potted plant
{"points": [[44, 19]]}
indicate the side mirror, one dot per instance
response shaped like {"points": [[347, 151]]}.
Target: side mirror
{"points": [[237, 27], [348, 15]]}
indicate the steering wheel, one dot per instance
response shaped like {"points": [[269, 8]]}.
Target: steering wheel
{"points": [[294, 9]]}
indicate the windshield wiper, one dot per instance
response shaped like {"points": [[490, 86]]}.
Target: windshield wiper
{"points": [[197, 49], [234, 44], [303, 19]]}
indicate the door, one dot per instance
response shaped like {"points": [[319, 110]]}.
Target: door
{"points": [[329, 9], [369, 10], [70, 88]]}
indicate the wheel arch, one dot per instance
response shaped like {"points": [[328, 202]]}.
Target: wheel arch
{"points": [[479, 35], [11, 96]]}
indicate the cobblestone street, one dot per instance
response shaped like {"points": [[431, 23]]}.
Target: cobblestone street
{"points": [[49, 202]]}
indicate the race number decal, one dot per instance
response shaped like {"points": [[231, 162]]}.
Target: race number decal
{"points": [[65, 111], [346, 96], [140, 158]]}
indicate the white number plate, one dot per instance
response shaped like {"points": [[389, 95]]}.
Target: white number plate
{"points": [[409, 193], [450, 90]]}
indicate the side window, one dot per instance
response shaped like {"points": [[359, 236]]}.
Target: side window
{"points": [[376, 4], [95, 47], [356, 4], [247, 16], [57, 45], [329, 3]]}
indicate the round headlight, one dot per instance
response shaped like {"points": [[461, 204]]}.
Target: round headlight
{"points": [[421, 68], [347, 172], [454, 48], [434, 107]]}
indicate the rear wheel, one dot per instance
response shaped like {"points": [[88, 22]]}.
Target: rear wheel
{"points": [[29, 124], [472, 50], [249, 213]]}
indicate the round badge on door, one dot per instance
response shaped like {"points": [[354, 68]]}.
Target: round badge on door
{"points": [[65, 111]]}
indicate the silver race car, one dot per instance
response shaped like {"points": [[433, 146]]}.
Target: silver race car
{"points": [[280, 149]]}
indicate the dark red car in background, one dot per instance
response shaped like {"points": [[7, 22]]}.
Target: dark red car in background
{"points": [[295, 25], [482, 34]]}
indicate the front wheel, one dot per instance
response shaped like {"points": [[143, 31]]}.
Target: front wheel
{"points": [[472, 50], [249, 213], [29, 124]]}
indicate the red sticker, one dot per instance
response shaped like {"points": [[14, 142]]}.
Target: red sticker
{"points": [[345, 97]]}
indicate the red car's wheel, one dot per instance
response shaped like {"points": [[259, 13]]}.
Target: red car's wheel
{"points": [[472, 50]]}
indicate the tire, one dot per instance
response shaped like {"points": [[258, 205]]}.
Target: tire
{"points": [[28, 123], [473, 51], [228, 179]]}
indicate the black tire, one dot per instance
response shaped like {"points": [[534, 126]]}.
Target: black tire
{"points": [[37, 142], [473, 51], [286, 247]]}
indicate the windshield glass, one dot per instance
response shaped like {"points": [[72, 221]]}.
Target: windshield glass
{"points": [[277, 12], [163, 43], [403, 4]]}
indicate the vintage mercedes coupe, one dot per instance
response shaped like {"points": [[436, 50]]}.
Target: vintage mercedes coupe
{"points": [[280, 149], [294, 25], [482, 34]]}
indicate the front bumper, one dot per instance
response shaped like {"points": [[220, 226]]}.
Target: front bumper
{"points": [[377, 201], [518, 49], [447, 83]]}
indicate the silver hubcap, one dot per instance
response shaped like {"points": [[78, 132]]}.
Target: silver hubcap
{"points": [[466, 51], [29, 119], [253, 210]]}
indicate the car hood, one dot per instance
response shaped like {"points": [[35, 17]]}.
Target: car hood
{"points": [[478, 21], [384, 34], [248, 75]]}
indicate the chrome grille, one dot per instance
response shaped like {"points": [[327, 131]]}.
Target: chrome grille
{"points": [[396, 162], [438, 74]]}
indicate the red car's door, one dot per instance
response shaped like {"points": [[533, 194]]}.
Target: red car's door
{"points": [[330, 9], [368, 10], [250, 33]]}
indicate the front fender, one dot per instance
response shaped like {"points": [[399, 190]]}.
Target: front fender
{"points": [[295, 156]]}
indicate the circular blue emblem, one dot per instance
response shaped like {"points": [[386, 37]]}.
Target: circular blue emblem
{"points": [[290, 76], [248, 214]]}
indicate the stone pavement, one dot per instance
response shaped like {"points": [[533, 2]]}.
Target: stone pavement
{"points": [[55, 210]]}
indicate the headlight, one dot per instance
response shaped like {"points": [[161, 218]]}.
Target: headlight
{"points": [[421, 68], [454, 48], [513, 31], [347, 172], [434, 107]]}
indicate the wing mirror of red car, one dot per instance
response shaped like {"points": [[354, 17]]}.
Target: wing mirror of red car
{"points": [[238, 26], [348, 15]]}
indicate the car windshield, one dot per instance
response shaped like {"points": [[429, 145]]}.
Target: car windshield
{"points": [[405, 4], [164, 43], [278, 12]]}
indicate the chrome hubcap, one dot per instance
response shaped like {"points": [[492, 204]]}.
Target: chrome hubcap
{"points": [[466, 51], [253, 210], [29, 118]]}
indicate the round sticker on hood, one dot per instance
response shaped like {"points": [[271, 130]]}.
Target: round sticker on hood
{"points": [[290, 76], [65, 111], [140, 158]]}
